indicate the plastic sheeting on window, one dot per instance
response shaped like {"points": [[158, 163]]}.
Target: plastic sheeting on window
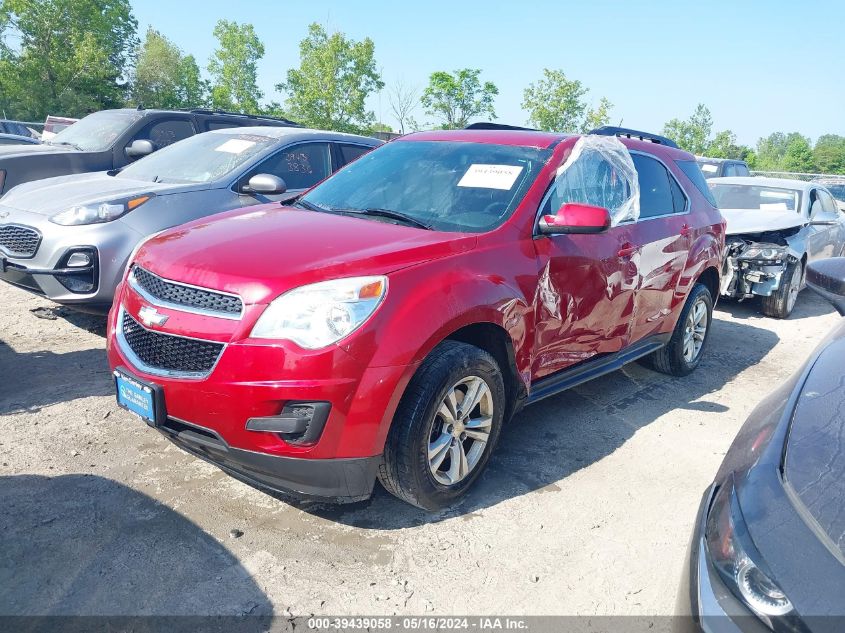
{"points": [[599, 171]]}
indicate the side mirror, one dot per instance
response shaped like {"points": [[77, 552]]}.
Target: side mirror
{"points": [[574, 217], [265, 183], [827, 278], [140, 148]]}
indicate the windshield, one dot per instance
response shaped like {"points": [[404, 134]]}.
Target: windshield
{"points": [[463, 187], [200, 158], [756, 197], [710, 170], [96, 132]]}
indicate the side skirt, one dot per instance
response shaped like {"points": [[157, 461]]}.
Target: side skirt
{"points": [[593, 368]]}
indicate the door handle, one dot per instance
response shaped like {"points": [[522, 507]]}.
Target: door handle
{"points": [[627, 250], [685, 230]]}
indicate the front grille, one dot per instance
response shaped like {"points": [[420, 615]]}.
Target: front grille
{"points": [[167, 352], [19, 241], [197, 298]]}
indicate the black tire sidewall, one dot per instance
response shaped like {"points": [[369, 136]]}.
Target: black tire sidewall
{"points": [[430, 492]]}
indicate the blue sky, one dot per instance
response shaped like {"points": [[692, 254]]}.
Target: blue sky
{"points": [[759, 66]]}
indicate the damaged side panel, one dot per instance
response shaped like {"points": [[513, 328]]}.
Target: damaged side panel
{"points": [[755, 263]]}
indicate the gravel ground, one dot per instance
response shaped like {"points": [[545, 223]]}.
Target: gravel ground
{"points": [[586, 508]]}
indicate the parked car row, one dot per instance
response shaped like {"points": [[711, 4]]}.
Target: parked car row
{"points": [[314, 311]]}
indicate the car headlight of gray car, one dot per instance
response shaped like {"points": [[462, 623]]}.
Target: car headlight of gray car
{"points": [[733, 555], [766, 253], [98, 213]]}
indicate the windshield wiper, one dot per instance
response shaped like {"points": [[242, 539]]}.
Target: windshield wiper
{"points": [[308, 205], [393, 215], [73, 145]]}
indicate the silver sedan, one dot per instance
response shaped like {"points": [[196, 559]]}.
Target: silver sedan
{"points": [[69, 238]]}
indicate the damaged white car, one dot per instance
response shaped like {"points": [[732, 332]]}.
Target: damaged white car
{"points": [[774, 227]]}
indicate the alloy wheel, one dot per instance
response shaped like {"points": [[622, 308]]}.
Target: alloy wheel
{"points": [[794, 287], [695, 330], [460, 430]]}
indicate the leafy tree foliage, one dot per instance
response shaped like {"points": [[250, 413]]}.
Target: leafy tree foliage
{"points": [[329, 90], [772, 152], [597, 117], [234, 68], [829, 154], [556, 104], [692, 134], [69, 56], [165, 77], [799, 155], [456, 98]]}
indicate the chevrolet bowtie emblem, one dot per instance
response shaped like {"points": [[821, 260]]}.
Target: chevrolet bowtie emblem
{"points": [[150, 316]]}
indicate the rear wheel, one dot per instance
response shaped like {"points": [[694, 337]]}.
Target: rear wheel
{"points": [[682, 354], [445, 427], [781, 303]]}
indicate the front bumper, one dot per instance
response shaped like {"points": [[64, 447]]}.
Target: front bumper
{"points": [[337, 480], [46, 273], [704, 602]]}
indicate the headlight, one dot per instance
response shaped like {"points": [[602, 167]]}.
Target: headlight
{"points": [[726, 535], [323, 313], [97, 213], [774, 253]]}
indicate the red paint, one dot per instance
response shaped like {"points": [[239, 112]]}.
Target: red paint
{"points": [[576, 216], [560, 299]]}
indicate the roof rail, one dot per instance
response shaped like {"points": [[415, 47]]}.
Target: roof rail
{"points": [[497, 126], [248, 116], [609, 130]]}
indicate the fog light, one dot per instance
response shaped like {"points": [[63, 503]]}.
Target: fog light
{"points": [[79, 260]]}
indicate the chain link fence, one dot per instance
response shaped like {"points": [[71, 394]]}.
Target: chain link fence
{"points": [[796, 175]]}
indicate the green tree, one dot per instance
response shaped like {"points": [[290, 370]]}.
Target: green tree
{"points": [[692, 134], [329, 90], [772, 149], [555, 103], [455, 98], [724, 145], [65, 57], [597, 117], [829, 154], [164, 77], [799, 155], [234, 68]]}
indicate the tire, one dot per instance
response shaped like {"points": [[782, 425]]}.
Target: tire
{"points": [[425, 424], [674, 358], [781, 303]]}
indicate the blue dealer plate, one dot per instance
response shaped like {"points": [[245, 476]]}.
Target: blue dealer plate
{"points": [[135, 396]]}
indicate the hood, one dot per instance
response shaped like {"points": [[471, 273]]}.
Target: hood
{"points": [[263, 251], [53, 195], [7, 151], [815, 462], [756, 221]]}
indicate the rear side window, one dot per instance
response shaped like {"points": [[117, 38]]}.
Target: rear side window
{"points": [[742, 170], [693, 172], [656, 196], [219, 125], [348, 153]]}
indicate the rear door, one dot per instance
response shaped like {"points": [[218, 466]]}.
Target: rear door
{"points": [[824, 232], [662, 237], [345, 153]]}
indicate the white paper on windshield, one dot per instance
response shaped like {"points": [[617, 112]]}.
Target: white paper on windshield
{"points": [[234, 146], [490, 176], [710, 169], [773, 206]]}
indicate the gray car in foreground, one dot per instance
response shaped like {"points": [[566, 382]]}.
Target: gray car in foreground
{"points": [[69, 238], [768, 551]]}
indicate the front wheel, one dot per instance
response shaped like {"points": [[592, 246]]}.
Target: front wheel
{"points": [[683, 352], [445, 427], [782, 301]]}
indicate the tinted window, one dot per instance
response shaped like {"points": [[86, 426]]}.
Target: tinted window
{"points": [[708, 169], [742, 169], [692, 171], [166, 132], [301, 166], [450, 186], [655, 191], [730, 170], [219, 125], [679, 200], [348, 153]]}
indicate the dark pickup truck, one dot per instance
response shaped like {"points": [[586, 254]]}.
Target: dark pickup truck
{"points": [[110, 139]]}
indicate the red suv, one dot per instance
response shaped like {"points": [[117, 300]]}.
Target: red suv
{"points": [[388, 323]]}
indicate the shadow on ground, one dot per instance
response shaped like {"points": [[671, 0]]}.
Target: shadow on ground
{"points": [[82, 545], [808, 305], [558, 436], [31, 380]]}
